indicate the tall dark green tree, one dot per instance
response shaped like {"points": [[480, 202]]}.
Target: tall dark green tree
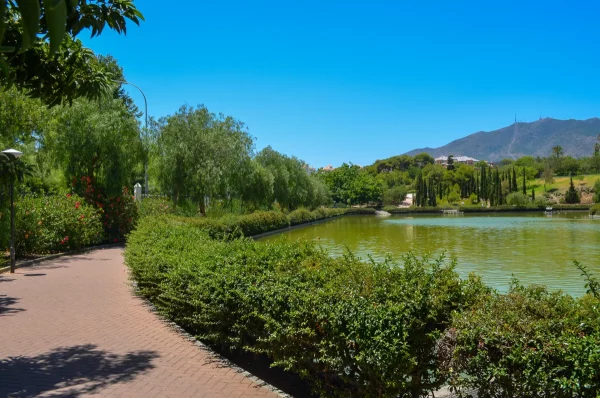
{"points": [[524, 183], [572, 196]]}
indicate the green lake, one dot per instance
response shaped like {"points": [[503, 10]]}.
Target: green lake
{"points": [[533, 247]]}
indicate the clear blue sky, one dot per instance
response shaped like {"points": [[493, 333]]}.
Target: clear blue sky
{"points": [[335, 81]]}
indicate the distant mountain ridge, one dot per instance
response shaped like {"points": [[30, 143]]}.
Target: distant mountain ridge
{"points": [[576, 137]]}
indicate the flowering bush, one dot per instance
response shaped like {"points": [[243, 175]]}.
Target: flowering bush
{"points": [[55, 224], [119, 212]]}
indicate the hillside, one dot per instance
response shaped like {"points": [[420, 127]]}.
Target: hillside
{"points": [[577, 137]]}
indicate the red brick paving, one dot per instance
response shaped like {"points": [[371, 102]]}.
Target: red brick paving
{"points": [[72, 327]]}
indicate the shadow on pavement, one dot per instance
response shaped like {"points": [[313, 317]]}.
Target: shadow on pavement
{"points": [[6, 305], [70, 371]]}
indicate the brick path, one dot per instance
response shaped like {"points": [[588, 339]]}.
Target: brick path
{"points": [[71, 327]]}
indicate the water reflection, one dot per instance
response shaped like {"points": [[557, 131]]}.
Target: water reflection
{"points": [[532, 247]]}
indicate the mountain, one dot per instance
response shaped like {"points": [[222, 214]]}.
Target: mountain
{"points": [[577, 137]]}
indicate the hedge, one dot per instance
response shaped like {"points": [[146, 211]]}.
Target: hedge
{"points": [[235, 226], [527, 343], [482, 209], [361, 329], [350, 328]]}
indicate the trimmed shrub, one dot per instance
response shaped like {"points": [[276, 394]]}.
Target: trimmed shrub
{"points": [[597, 191], [232, 226], [595, 209], [360, 210], [300, 216], [528, 343], [351, 328], [56, 224]]}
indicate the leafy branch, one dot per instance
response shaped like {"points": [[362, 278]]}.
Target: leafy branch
{"points": [[591, 283]]}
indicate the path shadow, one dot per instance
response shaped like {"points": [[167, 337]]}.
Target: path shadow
{"points": [[6, 279], [6, 305], [39, 274], [70, 371]]}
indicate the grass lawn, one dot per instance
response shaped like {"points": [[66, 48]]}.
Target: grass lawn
{"points": [[562, 183]]}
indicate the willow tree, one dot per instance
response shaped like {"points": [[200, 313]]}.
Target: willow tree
{"points": [[99, 139], [202, 154]]}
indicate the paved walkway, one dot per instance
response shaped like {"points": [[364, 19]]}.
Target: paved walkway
{"points": [[71, 327]]}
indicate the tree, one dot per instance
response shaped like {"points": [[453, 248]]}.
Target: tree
{"points": [[572, 196], [450, 164], [557, 151], [39, 52], [548, 176], [395, 195], [202, 155], [597, 191], [97, 139], [524, 183], [532, 194]]}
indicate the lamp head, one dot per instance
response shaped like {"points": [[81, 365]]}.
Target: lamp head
{"points": [[13, 152]]}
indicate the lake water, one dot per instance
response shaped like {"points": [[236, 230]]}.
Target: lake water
{"points": [[533, 247]]}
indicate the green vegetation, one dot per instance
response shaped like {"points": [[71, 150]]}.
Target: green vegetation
{"points": [[311, 314], [527, 343], [56, 224], [39, 51], [354, 328]]}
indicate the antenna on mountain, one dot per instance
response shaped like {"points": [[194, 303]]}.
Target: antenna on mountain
{"points": [[540, 115], [515, 118]]}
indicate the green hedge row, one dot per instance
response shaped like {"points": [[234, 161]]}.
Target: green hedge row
{"points": [[482, 209], [350, 328], [235, 226], [368, 329]]}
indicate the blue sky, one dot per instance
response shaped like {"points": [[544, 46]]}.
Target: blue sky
{"points": [[345, 81]]}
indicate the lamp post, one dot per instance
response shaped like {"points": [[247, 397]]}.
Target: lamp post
{"points": [[16, 154], [145, 127]]}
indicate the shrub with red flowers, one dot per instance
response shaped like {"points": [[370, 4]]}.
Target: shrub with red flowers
{"points": [[55, 224], [119, 212]]}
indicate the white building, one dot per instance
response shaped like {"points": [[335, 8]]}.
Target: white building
{"points": [[443, 160]]}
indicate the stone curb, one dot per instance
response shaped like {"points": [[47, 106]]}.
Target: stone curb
{"points": [[29, 263]]}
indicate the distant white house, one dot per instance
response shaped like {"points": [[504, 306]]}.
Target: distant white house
{"points": [[443, 160], [328, 168]]}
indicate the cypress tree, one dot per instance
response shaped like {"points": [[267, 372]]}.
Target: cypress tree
{"points": [[524, 183], [572, 196], [532, 194], [513, 185]]}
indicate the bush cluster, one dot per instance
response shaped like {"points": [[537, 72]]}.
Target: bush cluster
{"points": [[349, 327], [120, 212], [152, 207], [55, 224], [300, 216], [527, 343]]}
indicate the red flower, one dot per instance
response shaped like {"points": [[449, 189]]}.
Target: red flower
{"points": [[118, 199], [68, 195], [77, 204]]}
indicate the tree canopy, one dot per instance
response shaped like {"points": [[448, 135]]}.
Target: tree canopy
{"points": [[39, 52]]}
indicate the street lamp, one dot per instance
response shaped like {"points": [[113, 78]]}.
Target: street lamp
{"points": [[145, 127], [16, 154]]}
